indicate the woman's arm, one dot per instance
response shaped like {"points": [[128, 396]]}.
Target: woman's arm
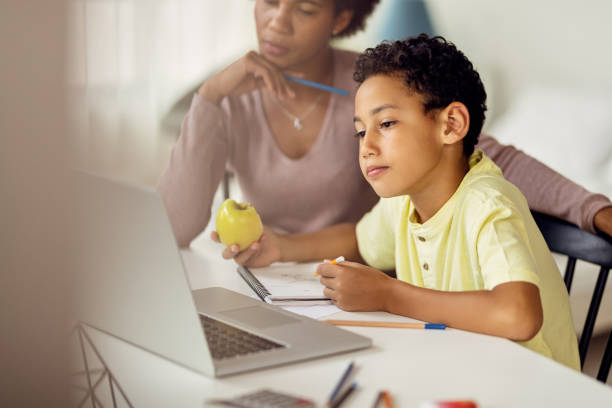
{"points": [[198, 160], [548, 191], [196, 167]]}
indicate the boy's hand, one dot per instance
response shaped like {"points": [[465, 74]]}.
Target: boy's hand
{"points": [[261, 253], [355, 287]]}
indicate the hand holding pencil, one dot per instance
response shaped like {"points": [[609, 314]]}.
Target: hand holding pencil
{"points": [[353, 286]]}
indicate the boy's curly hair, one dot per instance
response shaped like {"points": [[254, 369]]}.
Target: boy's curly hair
{"points": [[433, 68], [361, 11]]}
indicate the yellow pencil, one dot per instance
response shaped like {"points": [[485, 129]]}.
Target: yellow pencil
{"points": [[396, 325], [332, 262]]}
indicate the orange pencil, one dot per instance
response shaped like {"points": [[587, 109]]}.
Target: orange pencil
{"points": [[386, 397], [333, 262]]}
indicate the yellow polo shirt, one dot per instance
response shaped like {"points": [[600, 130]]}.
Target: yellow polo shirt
{"points": [[482, 236]]}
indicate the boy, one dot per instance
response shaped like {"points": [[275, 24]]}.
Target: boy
{"points": [[461, 238]]}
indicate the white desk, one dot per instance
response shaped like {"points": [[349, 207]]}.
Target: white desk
{"points": [[414, 365]]}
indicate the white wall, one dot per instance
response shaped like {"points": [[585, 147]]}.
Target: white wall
{"points": [[516, 44]]}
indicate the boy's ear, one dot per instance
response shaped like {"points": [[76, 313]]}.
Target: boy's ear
{"points": [[456, 118], [342, 20]]}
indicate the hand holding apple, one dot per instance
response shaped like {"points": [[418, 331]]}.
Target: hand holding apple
{"points": [[238, 223], [263, 252]]}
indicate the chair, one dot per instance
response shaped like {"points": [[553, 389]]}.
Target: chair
{"points": [[567, 239]]}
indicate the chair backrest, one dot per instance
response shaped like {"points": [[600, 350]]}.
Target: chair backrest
{"points": [[568, 239]]}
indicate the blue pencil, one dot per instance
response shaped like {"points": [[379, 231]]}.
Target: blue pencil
{"points": [[338, 387], [317, 85]]}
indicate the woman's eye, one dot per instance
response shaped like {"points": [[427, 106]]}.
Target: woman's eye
{"points": [[306, 11], [388, 123], [360, 134]]}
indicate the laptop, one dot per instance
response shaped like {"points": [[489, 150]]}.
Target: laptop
{"points": [[131, 284]]}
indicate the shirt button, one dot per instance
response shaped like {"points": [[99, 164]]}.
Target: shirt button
{"points": [[422, 239], [426, 266]]}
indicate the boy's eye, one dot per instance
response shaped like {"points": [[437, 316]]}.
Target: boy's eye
{"points": [[388, 123], [360, 134]]}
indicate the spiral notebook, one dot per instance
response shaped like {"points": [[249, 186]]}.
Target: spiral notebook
{"points": [[286, 284]]}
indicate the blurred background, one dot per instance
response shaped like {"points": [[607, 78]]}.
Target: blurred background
{"points": [[133, 65]]}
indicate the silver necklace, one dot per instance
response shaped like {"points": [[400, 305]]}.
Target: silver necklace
{"points": [[297, 121]]}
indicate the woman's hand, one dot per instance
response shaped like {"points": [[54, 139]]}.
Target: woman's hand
{"points": [[242, 76], [603, 221], [355, 287], [260, 253]]}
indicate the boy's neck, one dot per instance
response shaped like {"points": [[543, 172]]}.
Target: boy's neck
{"points": [[441, 184]]}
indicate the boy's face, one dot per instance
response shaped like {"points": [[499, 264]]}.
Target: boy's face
{"points": [[399, 146]]}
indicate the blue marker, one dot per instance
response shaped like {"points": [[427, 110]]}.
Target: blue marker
{"points": [[317, 85]]}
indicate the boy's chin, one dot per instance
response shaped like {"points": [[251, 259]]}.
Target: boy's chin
{"points": [[383, 193]]}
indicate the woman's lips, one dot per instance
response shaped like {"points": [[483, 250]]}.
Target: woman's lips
{"points": [[375, 171], [274, 49]]}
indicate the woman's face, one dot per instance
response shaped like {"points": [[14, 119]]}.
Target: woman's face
{"points": [[291, 32]]}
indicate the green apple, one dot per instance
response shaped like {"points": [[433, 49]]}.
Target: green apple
{"points": [[238, 223]]}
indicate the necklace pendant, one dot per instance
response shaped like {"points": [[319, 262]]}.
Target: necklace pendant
{"points": [[297, 124]]}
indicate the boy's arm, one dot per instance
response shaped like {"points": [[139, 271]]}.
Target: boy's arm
{"points": [[327, 243], [512, 310]]}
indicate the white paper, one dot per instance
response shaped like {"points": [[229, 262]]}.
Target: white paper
{"points": [[314, 312], [290, 279]]}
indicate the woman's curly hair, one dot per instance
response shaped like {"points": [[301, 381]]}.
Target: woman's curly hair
{"points": [[361, 11], [433, 68]]}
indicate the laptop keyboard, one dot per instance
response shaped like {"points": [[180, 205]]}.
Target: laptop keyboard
{"points": [[225, 341]]}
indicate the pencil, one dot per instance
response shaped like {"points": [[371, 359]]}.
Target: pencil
{"points": [[344, 395], [317, 85], [341, 382], [337, 260], [332, 262], [378, 399], [387, 399], [396, 325]]}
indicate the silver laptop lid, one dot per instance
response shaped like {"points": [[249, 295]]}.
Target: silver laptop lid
{"points": [[131, 282]]}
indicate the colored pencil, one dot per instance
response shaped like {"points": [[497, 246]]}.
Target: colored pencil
{"points": [[387, 399], [396, 325], [341, 382], [332, 262], [344, 395], [378, 399], [317, 85], [337, 260]]}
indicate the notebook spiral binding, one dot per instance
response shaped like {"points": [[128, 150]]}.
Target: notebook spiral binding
{"points": [[253, 282]]}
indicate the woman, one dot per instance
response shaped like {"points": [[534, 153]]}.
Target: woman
{"points": [[292, 146]]}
